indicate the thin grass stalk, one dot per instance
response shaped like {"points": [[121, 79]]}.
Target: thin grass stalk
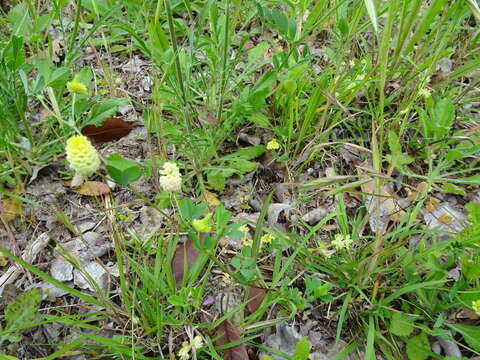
{"points": [[178, 68], [75, 26], [224, 62]]}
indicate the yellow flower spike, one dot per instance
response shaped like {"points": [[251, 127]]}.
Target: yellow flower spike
{"points": [[273, 145], [76, 86], [82, 155], [476, 306], [203, 225]]}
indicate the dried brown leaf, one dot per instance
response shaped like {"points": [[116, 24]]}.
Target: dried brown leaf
{"points": [[187, 251], [11, 208], [112, 129], [227, 333], [93, 188], [256, 296]]}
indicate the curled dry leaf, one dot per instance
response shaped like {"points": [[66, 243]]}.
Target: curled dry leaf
{"points": [[111, 129], [93, 188], [256, 295], [226, 333]]}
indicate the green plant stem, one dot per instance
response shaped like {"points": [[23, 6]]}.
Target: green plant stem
{"points": [[177, 65], [75, 26], [224, 62]]}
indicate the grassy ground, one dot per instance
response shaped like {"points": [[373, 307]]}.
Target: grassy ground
{"points": [[328, 156]]}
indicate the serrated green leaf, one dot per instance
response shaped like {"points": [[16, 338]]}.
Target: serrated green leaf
{"points": [[400, 324], [470, 333], [22, 310], [216, 180], [247, 153], [418, 347]]}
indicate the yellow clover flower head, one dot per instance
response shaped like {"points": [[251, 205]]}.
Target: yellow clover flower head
{"points": [[170, 179], [273, 145], [476, 306], [82, 155], [203, 225], [76, 86]]}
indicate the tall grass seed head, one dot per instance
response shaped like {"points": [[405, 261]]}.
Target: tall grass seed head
{"points": [[76, 86], [82, 155]]}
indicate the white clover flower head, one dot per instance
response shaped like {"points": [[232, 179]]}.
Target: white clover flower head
{"points": [[424, 92], [184, 352], [197, 342], [82, 155], [170, 179], [325, 251]]}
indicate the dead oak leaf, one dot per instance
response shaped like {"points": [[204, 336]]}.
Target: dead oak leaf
{"points": [[93, 188], [227, 334]]}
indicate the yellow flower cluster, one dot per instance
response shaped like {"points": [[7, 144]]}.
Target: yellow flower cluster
{"points": [[476, 306], [342, 242], [82, 155], [273, 145], [76, 86], [170, 179]]}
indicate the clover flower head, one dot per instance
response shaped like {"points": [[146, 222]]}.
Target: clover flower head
{"points": [[273, 145], [203, 225], [82, 155], [424, 92], [184, 352], [197, 342], [476, 306], [76, 86], [325, 251], [170, 179], [342, 241]]}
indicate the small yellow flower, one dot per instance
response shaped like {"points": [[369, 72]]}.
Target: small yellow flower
{"points": [[476, 306], [244, 228], [170, 179], [76, 86], [273, 145], [203, 225], [267, 239], [82, 155]]}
